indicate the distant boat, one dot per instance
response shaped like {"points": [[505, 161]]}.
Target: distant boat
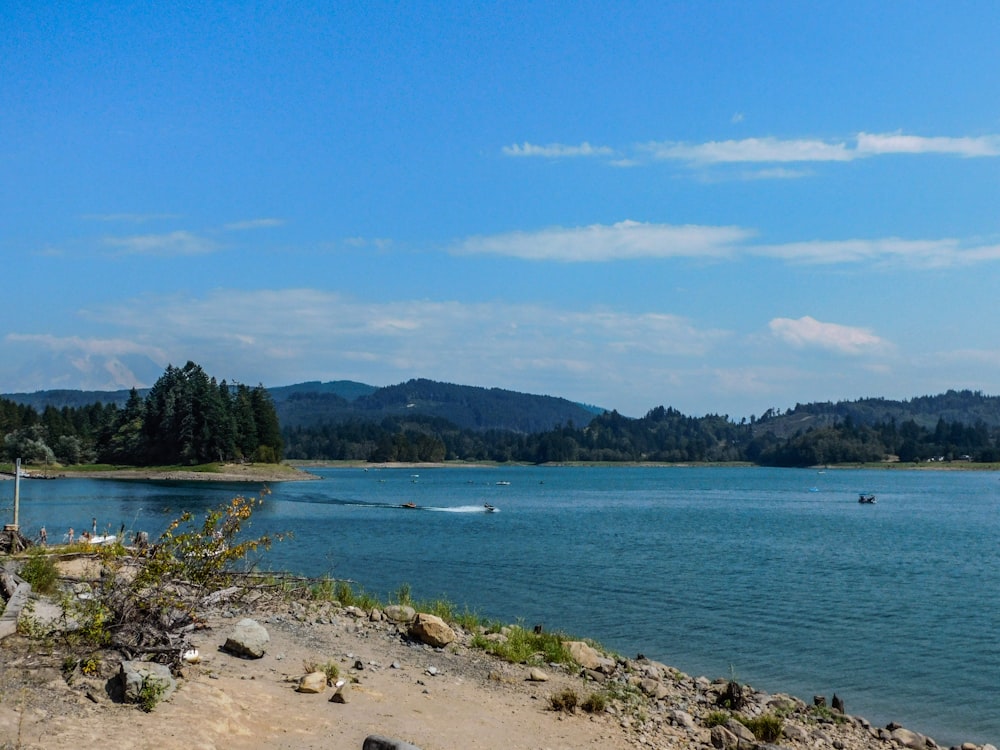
{"points": [[489, 508], [409, 505], [503, 484], [866, 498]]}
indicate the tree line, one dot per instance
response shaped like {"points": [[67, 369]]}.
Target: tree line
{"points": [[662, 435], [189, 418], [186, 418]]}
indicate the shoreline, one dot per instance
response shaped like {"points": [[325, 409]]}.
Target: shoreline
{"points": [[434, 697]]}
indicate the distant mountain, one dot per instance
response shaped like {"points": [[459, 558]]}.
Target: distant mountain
{"points": [[968, 407], [315, 403], [468, 407], [73, 399]]}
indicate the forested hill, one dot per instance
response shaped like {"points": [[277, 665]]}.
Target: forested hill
{"points": [[967, 407], [466, 407], [316, 403]]}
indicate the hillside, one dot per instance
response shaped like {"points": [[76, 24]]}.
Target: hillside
{"points": [[467, 407], [316, 403], [967, 407]]}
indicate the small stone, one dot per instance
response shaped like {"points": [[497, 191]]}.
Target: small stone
{"points": [[537, 675], [343, 692]]}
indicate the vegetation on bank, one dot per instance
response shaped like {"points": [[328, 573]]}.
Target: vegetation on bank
{"points": [[186, 419]]}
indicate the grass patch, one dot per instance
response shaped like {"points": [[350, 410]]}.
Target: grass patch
{"points": [[330, 669], [716, 719], [565, 701], [40, 571], [595, 703], [766, 728], [526, 646]]}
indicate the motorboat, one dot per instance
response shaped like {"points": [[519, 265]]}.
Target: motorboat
{"points": [[866, 498], [412, 506], [489, 508]]}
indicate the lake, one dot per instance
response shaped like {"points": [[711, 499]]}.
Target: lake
{"points": [[778, 576]]}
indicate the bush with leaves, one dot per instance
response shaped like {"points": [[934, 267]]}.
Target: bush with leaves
{"points": [[146, 598]]}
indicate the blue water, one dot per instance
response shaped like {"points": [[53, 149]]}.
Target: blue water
{"points": [[778, 576]]}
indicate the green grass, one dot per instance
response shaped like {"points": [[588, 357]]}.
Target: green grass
{"points": [[40, 571], [526, 646]]}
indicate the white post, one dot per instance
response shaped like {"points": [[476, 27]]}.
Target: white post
{"points": [[17, 491]]}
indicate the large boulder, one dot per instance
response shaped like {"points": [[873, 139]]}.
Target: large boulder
{"points": [[314, 682], [585, 655], [432, 630], [248, 639], [399, 612], [909, 739], [139, 676]]}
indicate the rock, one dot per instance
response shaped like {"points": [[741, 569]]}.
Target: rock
{"points": [[248, 639], [740, 731], [585, 655], [794, 733], [909, 739], [837, 704], [722, 738], [342, 694], [378, 742], [399, 613], [432, 630], [537, 675], [682, 719], [134, 675], [314, 682]]}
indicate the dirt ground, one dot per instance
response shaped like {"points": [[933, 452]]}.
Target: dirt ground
{"points": [[437, 699]]}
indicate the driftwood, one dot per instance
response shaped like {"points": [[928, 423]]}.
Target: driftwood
{"points": [[13, 541]]}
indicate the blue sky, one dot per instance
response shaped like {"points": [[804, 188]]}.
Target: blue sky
{"points": [[721, 207]]}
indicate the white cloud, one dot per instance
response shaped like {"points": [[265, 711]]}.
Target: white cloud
{"points": [[772, 150], [751, 150], [87, 346], [924, 254], [807, 332], [556, 150], [602, 242], [897, 143], [171, 244], [312, 334]]}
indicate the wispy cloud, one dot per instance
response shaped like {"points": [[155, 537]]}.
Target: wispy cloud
{"points": [[556, 150], [238, 226], [629, 240], [171, 244], [924, 254], [309, 333], [87, 346], [770, 150], [898, 143], [807, 332], [603, 242]]}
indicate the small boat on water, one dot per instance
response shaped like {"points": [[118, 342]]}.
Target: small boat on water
{"points": [[412, 506], [489, 508], [866, 498], [503, 483]]}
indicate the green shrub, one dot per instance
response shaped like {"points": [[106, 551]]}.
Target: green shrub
{"points": [[40, 571], [716, 718], [330, 669], [766, 728], [151, 693], [565, 700], [595, 703]]}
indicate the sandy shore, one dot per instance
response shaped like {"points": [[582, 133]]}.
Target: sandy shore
{"points": [[435, 698]]}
